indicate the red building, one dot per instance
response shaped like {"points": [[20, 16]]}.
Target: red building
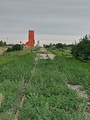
{"points": [[31, 40]]}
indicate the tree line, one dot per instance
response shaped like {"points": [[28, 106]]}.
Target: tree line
{"points": [[2, 43], [58, 45], [79, 50]]}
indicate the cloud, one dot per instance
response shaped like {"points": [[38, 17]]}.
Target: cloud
{"points": [[52, 17]]}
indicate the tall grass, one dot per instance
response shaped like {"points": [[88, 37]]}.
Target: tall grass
{"points": [[14, 67], [47, 96]]}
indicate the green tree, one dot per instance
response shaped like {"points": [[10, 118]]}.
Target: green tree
{"points": [[59, 45], [9, 50], [17, 47], [2, 43], [82, 49]]}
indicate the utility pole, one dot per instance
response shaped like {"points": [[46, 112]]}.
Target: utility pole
{"points": [[7, 40]]}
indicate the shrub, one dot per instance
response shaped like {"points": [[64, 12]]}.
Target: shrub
{"points": [[9, 50], [15, 47], [82, 49]]}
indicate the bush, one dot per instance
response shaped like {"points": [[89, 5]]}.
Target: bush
{"points": [[15, 47], [82, 49], [9, 50]]}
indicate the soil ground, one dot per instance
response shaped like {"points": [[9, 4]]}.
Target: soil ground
{"points": [[1, 52], [81, 94]]}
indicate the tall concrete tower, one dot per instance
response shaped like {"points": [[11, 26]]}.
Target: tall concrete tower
{"points": [[31, 40]]}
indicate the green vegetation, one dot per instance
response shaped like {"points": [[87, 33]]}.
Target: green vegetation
{"points": [[47, 96], [82, 49], [56, 46], [15, 48], [2, 43], [14, 67]]}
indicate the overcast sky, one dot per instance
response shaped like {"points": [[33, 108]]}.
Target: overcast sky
{"points": [[53, 20]]}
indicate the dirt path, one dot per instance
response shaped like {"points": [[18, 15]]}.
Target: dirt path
{"points": [[77, 88], [1, 52], [81, 94], [1, 98], [21, 100], [43, 54]]}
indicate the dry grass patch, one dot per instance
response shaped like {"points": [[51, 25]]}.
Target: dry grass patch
{"points": [[1, 98]]}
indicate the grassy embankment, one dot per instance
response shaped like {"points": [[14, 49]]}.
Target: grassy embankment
{"points": [[47, 96], [14, 67]]}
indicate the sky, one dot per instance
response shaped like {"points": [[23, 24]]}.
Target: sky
{"points": [[54, 21]]}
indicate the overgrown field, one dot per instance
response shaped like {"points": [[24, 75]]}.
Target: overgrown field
{"points": [[14, 67], [47, 96]]}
